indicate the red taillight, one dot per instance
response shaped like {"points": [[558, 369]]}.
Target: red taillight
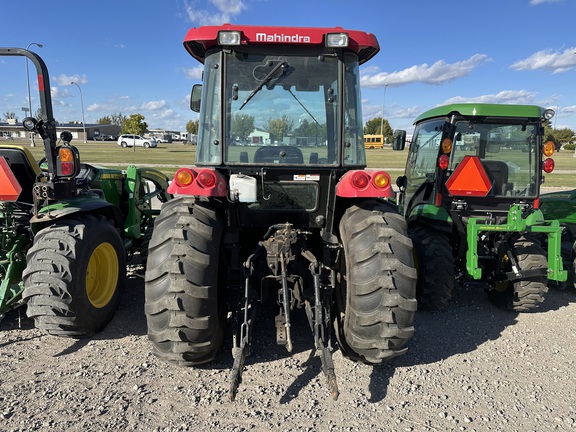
{"points": [[548, 165], [443, 162], [360, 180], [207, 179], [68, 163], [67, 169]]}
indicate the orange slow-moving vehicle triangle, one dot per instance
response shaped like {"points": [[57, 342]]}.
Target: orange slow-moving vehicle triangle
{"points": [[469, 179], [9, 186]]}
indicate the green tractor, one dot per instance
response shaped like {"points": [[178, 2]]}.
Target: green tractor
{"points": [[66, 227], [561, 205], [279, 211], [470, 196]]}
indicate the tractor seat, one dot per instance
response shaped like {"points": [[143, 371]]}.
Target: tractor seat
{"points": [[279, 155], [498, 173], [24, 167]]}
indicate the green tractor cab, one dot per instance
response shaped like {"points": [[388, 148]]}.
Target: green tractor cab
{"points": [[471, 198]]}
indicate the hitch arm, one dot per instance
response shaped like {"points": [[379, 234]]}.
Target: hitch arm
{"points": [[241, 349], [320, 329]]}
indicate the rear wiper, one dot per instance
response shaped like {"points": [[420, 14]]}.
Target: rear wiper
{"points": [[267, 78]]}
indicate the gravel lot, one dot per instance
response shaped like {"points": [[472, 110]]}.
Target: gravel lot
{"points": [[470, 368]]}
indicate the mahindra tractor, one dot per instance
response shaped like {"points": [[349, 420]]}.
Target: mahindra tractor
{"points": [[470, 195], [66, 226], [278, 211]]}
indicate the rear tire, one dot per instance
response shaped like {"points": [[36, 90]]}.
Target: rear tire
{"points": [[123, 144], [522, 295], [435, 263], [74, 276], [185, 302], [376, 300]]}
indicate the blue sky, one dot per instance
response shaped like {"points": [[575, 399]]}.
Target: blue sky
{"points": [[127, 55]]}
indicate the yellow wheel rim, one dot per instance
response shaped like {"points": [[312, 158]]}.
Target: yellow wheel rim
{"points": [[102, 275]]}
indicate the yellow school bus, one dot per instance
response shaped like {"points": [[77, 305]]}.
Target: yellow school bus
{"points": [[373, 141]]}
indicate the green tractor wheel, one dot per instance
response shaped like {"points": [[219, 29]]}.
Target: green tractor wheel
{"points": [[185, 301], [435, 263], [376, 300], [74, 276], [521, 295]]}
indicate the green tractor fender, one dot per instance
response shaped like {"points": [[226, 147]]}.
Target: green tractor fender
{"points": [[93, 205], [430, 216], [140, 194]]}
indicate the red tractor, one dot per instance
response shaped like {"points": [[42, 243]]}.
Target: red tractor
{"points": [[279, 206]]}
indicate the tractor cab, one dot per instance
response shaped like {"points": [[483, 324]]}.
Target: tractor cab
{"points": [[478, 158], [280, 121]]}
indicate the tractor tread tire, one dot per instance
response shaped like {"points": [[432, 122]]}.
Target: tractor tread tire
{"points": [[55, 279], [184, 309], [376, 321], [524, 295], [436, 273]]}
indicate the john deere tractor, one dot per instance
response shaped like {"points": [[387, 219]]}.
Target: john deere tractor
{"points": [[279, 210], [66, 226], [470, 195], [561, 205]]}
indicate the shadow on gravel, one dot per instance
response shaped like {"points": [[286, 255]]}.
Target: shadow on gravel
{"points": [[470, 321]]}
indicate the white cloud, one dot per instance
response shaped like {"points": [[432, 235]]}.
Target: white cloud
{"points": [[194, 73], [505, 96], [65, 80], [222, 11], [554, 61], [154, 105], [538, 2], [438, 73]]}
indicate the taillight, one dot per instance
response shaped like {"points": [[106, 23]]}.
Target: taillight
{"points": [[207, 179], [443, 162], [381, 180], [548, 165], [68, 163], [184, 177], [548, 149], [360, 180], [446, 145]]}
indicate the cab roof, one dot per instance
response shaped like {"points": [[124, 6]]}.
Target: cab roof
{"points": [[201, 39], [483, 110]]}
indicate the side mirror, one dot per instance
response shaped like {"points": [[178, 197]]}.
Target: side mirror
{"points": [[399, 140], [401, 182], [196, 97]]}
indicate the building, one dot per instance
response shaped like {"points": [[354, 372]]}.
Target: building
{"points": [[12, 129]]}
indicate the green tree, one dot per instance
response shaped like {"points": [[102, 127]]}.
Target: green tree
{"points": [[192, 127], [135, 124], [104, 120], [315, 132], [279, 128], [117, 119], [374, 127], [10, 115], [242, 126], [560, 137]]}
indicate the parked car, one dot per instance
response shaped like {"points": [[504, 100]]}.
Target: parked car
{"points": [[129, 140], [103, 137]]}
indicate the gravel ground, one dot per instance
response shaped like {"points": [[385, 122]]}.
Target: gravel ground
{"points": [[470, 368]]}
